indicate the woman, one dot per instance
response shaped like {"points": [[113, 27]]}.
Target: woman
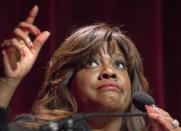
{"points": [[96, 69]]}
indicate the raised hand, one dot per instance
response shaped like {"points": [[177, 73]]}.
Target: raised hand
{"points": [[20, 52]]}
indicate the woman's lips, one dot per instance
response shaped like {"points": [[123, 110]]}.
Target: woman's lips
{"points": [[109, 87]]}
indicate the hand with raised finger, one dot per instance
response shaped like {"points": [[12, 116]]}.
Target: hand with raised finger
{"points": [[20, 52], [163, 118]]}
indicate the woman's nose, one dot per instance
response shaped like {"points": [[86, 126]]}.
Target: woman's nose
{"points": [[107, 73]]}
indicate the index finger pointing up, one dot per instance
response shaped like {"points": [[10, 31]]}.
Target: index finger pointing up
{"points": [[32, 15]]}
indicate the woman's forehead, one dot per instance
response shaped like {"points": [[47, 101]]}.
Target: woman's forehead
{"points": [[110, 49]]}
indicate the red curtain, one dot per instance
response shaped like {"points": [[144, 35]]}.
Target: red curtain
{"points": [[154, 25]]}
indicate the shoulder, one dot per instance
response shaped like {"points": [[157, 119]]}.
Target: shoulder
{"points": [[19, 123]]}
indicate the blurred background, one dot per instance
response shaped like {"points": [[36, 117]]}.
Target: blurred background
{"points": [[154, 26]]}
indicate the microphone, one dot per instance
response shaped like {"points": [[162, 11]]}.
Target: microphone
{"points": [[140, 99], [67, 124]]}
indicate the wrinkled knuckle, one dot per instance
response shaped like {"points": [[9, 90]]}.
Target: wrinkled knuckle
{"points": [[13, 39], [21, 23], [167, 113], [16, 30], [38, 41], [32, 27]]}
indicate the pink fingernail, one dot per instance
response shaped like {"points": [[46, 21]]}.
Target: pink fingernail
{"points": [[4, 52], [29, 43], [148, 107], [148, 111], [38, 31]]}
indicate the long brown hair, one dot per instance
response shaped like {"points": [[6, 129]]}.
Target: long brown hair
{"points": [[55, 100]]}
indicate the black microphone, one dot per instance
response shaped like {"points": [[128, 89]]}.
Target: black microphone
{"points": [[140, 99]]}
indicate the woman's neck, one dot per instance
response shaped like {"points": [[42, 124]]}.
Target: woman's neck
{"points": [[105, 124]]}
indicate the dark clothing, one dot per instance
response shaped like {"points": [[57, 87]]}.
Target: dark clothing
{"points": [[19, 123], [3, 118]]}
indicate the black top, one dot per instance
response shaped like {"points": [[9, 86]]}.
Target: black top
{"points": [[19, 123]]}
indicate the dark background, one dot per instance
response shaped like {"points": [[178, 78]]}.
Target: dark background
{"points": [[154, 26]]}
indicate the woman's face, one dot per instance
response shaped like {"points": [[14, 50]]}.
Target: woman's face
{"points": [[103, 84]]}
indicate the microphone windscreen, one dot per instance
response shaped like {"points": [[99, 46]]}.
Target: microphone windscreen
{"points": [[140, 99]]}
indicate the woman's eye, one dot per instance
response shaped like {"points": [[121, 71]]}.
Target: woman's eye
{"points": [[120, 64], [91, 63]]}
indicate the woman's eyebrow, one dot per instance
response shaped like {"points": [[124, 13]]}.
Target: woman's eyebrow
{"points": [[119, 55]]}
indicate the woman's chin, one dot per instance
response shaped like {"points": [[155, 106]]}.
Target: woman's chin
{"points": [[110, 105]]}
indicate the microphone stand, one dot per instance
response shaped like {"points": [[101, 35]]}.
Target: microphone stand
{"points": [[67, 124], [115, 114]]}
